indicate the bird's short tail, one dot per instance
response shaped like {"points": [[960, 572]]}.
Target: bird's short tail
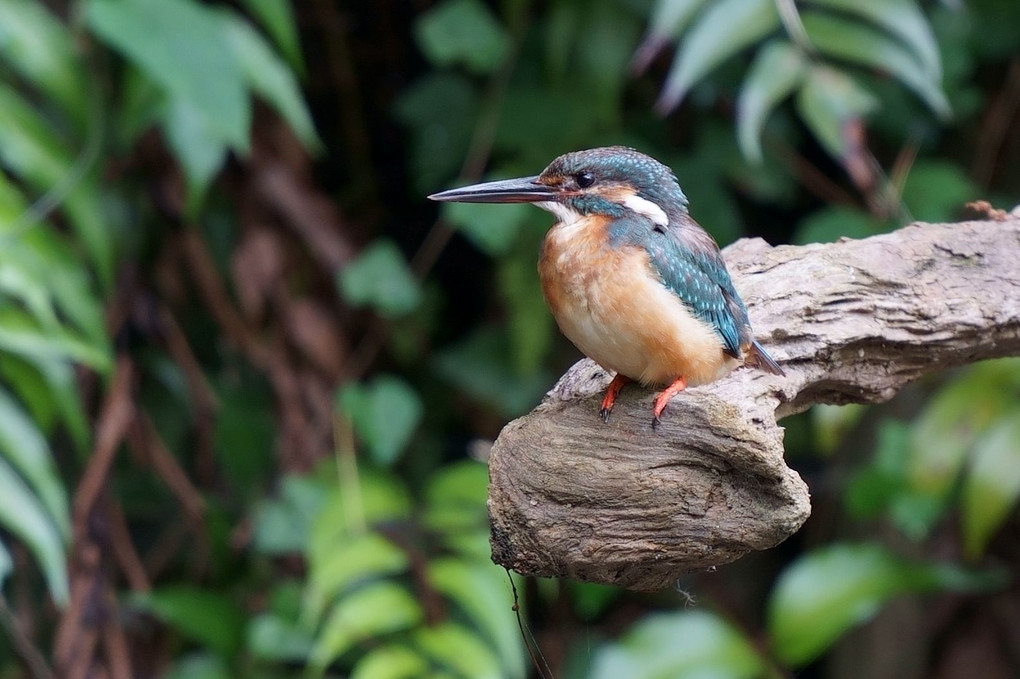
{"points": [[759, 358]]}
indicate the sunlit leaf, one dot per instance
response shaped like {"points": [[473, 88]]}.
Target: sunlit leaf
{"points": [[181, 45], [22, 515], [342, 564], [24, 447], [859, 43], [459, 649], [829, 101], [686, 644], [723, 29], [31, 148], [483, 592], [669, 19], [385, 413], [462, 31], [19, 333], [831, 590], [992, 484], [270, 77], [277, 17], [39, 47], [206, 616], [776, 72], [390, 662], [274, 638], [198, 147], [372, 611], [380, 278], [902, 18], [377, 498]]}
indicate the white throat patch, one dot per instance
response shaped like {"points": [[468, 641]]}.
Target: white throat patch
{"points": [[647, 208]]}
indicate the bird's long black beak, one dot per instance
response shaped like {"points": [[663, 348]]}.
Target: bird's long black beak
{"points": [[522, 190]]}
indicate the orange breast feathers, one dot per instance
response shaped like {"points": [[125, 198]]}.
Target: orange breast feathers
{"points": [[611, 305]]}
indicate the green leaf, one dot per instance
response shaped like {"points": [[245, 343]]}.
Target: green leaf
{"points": [[277, 17], [669, 18], [873, 488], [25, 448], [198, 148], [529, 322], [992, 484], [390, 662], [722, 30], [376, 498], [459, 649], [342, 564], [199, 666], [40, 48], [830, 224], [902, 18], [857, 42], [208, 617], [31, 147], [269, 77], [687, 644], [6, 564], [936, 190], [375, 610], [441, 109], [21, 334], [23, 515], [181, 45], [829, 591], [284, 526], [828, 101], [482, 591], [479, 365], [776, 72], [385, 413], [379, 278], [272, 637], [944, 432], [455, 498], [462, 31], [493, 229]]}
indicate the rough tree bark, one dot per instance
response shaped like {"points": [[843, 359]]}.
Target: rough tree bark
{"points": [[852, 321]]}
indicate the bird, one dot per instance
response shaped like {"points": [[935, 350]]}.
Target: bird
{"points": [[632, 280]]}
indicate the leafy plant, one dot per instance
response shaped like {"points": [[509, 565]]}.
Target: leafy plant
{"points": [[803, 47]]}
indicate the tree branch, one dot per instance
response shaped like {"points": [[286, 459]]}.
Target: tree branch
{"points": [[852, 321]]}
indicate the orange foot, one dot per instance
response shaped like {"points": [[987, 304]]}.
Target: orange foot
{"points": [[662, 400], [611, 393]]}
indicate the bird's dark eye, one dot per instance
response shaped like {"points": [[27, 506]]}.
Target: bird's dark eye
{"points": [[584, 179]]}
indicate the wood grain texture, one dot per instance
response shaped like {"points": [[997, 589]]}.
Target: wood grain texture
{"points": [[853, 321]]}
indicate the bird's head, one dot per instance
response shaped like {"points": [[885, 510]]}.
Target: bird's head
{"points": [[606, 181]]}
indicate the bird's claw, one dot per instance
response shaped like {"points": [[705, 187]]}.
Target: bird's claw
{"points": [[604, 414]]}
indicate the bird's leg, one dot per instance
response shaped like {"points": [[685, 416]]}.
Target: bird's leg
{"points": [[611, 393], [662, 400]]}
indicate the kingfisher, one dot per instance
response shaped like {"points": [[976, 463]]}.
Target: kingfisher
{"points": [[633, 281]]}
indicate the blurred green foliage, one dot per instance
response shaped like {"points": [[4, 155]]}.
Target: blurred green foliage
{"points": [[375, 564]]}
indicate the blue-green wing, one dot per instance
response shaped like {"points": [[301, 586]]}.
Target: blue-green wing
{"points": [[700, 279], [694, 271]]}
